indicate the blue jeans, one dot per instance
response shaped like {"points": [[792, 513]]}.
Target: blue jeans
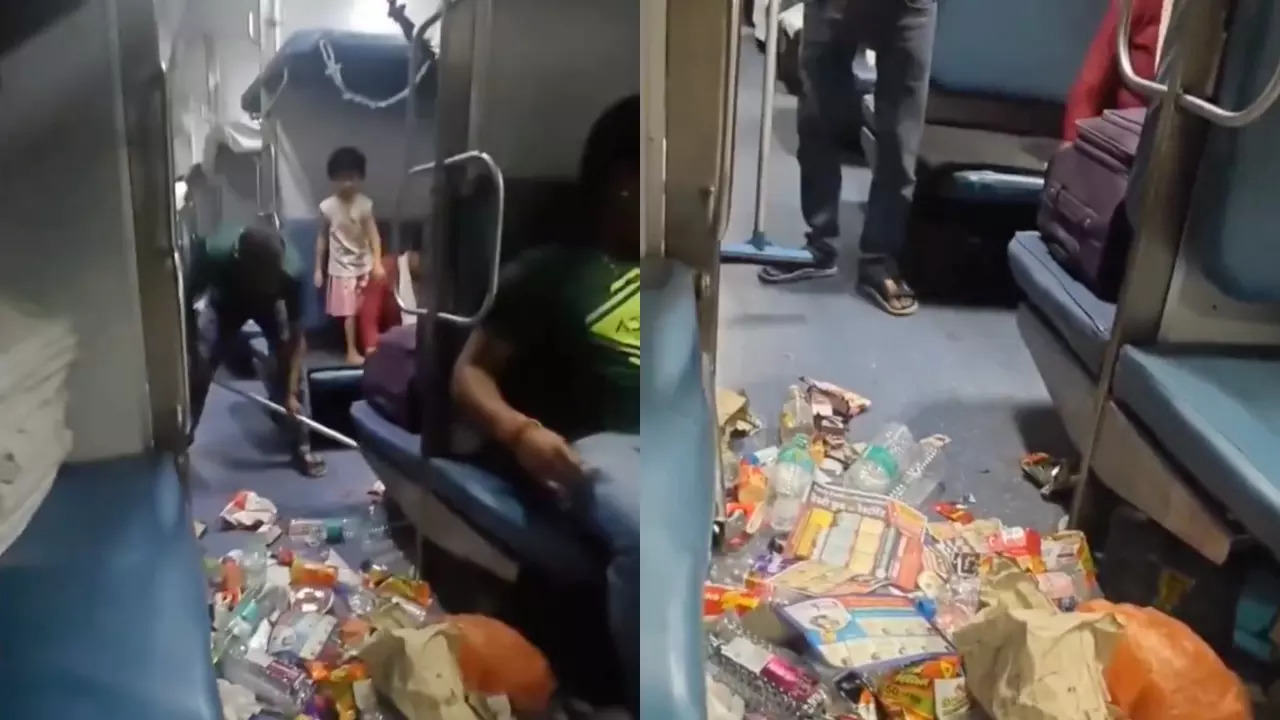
{"points": [[901, 32], [609, 508]]}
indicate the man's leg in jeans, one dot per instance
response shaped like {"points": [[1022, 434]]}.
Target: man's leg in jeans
{"points": [[210, 334], [828, 112], [904, 44], [298, 435], [610, 510]]}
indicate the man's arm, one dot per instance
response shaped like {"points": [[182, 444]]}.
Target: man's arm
{"points": [[322, 249], [474, 386]]}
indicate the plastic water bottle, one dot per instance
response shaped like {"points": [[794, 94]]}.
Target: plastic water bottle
{"points": [[367, 530], [797, 416], [281, 687], [922, 474], [244, 620], [882, 463], [792, 478]]}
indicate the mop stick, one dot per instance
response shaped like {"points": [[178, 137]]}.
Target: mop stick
{"points": [[766, 122], [277, 409]]}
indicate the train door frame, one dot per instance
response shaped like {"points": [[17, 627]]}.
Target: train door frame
{"points": [[143, 94]]}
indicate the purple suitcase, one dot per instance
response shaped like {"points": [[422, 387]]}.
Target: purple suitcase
{"points": [[389, 374], [1081, 211]]}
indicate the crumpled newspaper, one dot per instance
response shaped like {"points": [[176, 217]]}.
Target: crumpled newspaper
{"points": [[238, 703], [1026, 660]]}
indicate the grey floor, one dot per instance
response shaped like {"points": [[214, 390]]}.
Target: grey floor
{"points": [[960, 371]]}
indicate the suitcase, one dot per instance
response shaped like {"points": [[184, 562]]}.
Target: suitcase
{"points": [[1081, 215], [389, 377]]}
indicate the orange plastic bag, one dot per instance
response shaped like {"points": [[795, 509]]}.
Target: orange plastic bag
{"points": [[496, 660], [1162, 670]]}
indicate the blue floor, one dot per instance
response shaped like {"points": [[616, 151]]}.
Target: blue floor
{"points": [[959, 371], [237, 447]]}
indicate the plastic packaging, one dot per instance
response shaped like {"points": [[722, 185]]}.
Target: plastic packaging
{"points": [[883, 461], [277, 685], [494, 659], [732, 569], [309, 573], [793, 475], [1162, 670], [766, 681]]}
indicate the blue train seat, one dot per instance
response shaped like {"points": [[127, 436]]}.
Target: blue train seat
{"points": [[1215, 410], [1070, 311], [995, 108], [1217, 413], [676, 508], [104, 609], [486, 501]]}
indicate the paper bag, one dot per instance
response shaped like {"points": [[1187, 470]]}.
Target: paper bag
{"points": [[1025, 660], [416, 670]]}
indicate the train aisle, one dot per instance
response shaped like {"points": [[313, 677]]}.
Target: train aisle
{"points": [[958, 371]]}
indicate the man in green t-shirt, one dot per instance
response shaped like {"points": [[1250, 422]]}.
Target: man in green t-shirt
{"points": [[555, 368], [239, 274]]}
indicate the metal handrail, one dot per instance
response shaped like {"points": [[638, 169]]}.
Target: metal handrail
{"points": [[491, 291], [1147, 88], [1195, 105], [411, 116]]}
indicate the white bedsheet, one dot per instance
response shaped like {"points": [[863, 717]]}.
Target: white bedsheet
{"points": [[36, 353]]}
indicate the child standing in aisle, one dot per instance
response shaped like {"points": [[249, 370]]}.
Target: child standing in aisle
{"points": [[350, 242]]}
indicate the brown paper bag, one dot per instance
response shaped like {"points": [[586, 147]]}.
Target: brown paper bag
{"points": [[416, 670]]}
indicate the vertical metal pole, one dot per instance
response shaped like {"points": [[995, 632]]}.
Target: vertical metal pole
{"points": [[766, 119]]}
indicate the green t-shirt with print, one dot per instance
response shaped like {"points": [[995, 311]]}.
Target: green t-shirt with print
{"points": [[572, 317]]}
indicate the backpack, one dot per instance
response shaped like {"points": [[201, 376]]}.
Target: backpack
{"points": [[1082, 215], [390, 371]]}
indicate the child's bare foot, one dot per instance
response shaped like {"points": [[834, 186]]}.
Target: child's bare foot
{"points": [[355, 359]]}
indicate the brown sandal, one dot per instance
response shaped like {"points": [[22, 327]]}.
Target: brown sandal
{"points": [[893, 296]]}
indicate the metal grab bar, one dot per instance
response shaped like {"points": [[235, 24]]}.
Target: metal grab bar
{"points": [[1124, 32], [279, 410], [1192, 104], [491, 291], [1234, 118]]}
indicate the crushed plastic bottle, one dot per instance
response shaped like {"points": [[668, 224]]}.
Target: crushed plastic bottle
{"points": [[923, 473], [243, 622], [797, 416], [881, 465], [281, 687], [792, 476]]}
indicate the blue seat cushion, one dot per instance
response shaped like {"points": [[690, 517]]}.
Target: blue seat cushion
{"points": [[1071, 309], [492, 505], [103, 609], [1218, 414], [979, 165]]}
